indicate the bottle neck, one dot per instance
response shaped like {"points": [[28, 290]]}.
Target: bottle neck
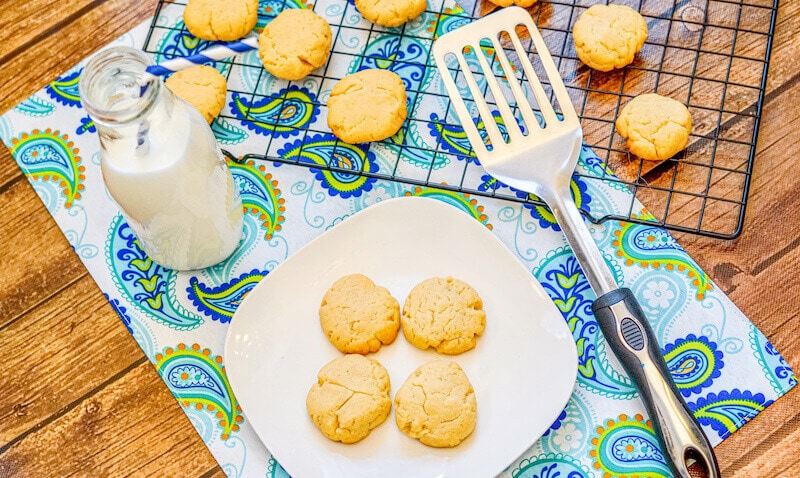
{"points": [[113, 89]]}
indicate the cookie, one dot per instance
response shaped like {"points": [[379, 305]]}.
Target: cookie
{"points": [[359, 316], [225, 20], [295, 43], [609, 36], [202, 87], [443, 313], [519, 3], [350, 398], [391, 13], [437, 405], [656, 127], [367, 106]]}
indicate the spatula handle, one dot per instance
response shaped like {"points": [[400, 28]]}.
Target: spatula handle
{"points": [[630, 337]]}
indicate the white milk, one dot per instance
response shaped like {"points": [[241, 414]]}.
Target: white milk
{"points": [[175, 189]]}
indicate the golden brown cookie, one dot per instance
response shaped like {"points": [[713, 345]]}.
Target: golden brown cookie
{"points": [[443, 313], [367, 106], [609, 36], [391, 13], [519, 3], [359, 316], [437, 405], [295, 43], [656, 127], [202, 87], [225, 20], [350, 398]]}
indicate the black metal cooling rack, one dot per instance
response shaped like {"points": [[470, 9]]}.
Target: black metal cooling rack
{"points": [[712, 55]]}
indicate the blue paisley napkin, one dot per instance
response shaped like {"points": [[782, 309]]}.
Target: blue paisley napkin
{"points": [[725, 368]]}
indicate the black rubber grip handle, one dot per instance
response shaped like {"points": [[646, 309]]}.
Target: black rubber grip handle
{"points": [[630, 336]]}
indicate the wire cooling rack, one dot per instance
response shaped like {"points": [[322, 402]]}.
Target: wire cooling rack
{"points": [[712, 55]]}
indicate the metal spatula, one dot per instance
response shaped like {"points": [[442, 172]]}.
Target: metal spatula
{"points": [[540, 159]]}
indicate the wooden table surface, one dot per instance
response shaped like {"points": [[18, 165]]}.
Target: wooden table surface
{"points": [[79, 398]]}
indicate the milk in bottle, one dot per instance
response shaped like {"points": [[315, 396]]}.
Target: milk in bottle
{"points": [[161, 164]]}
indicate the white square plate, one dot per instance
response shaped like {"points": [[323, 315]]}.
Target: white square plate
{"points": [[523, 368]]}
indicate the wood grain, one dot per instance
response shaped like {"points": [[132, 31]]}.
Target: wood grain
{"points": [[78, 397], [30, 277]]}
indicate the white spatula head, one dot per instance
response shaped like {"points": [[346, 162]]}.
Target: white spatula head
{"points": [[526, 141]]}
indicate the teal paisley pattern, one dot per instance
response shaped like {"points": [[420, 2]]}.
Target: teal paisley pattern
{"points": [[275, 470], [726, 411], [551, 465], [453, 139], [226, 132], [460, 200], [197, 379], [562, 279], [260, 195], [145, 284], [628, 446], [283, 114], [65, 89], [51, 157], [774, 366], [694, 363], [402, 55], [327, 150], [35, 107], [652, 247], [221, 302]]}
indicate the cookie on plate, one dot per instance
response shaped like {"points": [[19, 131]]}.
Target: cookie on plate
{"points": [[350, 398], [391, 13], [656, 127], [295, 43], [437, 405], [443, 313], [225, 20], [202, 87], [609, 36], [369, 105], [359, 316]]}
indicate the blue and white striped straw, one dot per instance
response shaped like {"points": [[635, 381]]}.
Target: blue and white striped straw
{"points": [[215, 53]]}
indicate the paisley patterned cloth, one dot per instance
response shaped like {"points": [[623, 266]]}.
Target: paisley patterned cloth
{"points": [[724, 367]]}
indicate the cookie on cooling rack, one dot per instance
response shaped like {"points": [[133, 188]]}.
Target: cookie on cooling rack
{"points": [[609, 36], [391, 13], [656, 127], [202, 87], [295, 43], [359, 316], [350, 398], [369, 105], [437, 405], [443, 313], [519, 3], [225, 20]]}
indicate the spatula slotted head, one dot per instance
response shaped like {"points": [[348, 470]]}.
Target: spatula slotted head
{"points": [[510, 102]]}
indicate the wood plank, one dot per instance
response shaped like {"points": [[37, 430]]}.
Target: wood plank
{"points": [[30, 70], [131, 427], [58, 353], [765, 446], [37, 260], [25, 21], [76, 40], [773, 188]]}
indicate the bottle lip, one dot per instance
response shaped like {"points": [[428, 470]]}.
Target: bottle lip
{"points": [[101, 68]]}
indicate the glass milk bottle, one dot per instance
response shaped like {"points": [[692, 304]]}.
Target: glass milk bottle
{"points": [[161, 164]]}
